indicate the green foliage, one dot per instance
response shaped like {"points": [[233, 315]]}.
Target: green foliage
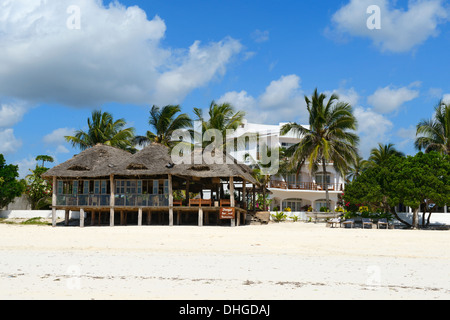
{"points": [[279, 216], [104, 130], [329, 138], [413, 181], [38, 190], [324, 209], [165, 122], [10, 187]]}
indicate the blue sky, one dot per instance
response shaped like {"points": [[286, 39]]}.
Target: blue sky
{"points": [[261, 56]]}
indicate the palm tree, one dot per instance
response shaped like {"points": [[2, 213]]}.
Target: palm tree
{"points": [[382, 153], [329, 137], [165, 122], [356, 168], [221, 117], [104, 130], [434, 134]]}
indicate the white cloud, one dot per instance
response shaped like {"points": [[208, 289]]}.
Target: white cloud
{"points": [[10, 114], [115, 56], [446, 98], [8, 142], [401, 30], [389, 99], [57, 136], [199, 66], [407, 135], [25, 165], [282, 100], [372, 129], [260, 36]]}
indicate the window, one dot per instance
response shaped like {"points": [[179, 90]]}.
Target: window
{"points": [[320, 203], [294, 204], [320, 178]]}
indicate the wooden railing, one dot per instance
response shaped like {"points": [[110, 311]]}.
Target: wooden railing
{"points": [[276, 184]]}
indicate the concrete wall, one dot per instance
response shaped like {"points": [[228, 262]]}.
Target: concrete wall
{"points": [[28, 214], [436, 218]]}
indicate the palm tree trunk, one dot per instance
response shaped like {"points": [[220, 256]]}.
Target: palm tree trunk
{"points": [[325, 183]]}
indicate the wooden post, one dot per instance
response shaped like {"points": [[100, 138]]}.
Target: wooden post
{"points": [[170, 201], [121, 218], [99, 218], [254, 199], [149, 217], [54, 202], [244, 194], [200, 217], [140, 217], [178, 217], [188, 182], [92, 217], [66, 218], [111, 200], [232, 201], [82, 218]]}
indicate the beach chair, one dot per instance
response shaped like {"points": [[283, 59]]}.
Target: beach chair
{"points": [[334, 222], [350, 222], [383, 222], [366, 221]]}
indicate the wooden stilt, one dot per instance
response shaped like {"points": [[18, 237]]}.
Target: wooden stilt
{"points": [[140, 217], [66, 217], [200, 217], [82, 218]]}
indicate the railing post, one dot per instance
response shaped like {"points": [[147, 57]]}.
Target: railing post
{"points": [[111, 200], [54, 202]]}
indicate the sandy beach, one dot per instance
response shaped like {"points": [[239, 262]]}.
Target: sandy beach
{"points": [[287, 261]]}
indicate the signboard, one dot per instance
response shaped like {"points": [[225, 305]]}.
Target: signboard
{"points": [[227, 213]]}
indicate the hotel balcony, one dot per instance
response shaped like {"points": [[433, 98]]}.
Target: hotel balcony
{"points": [[310, 186]]}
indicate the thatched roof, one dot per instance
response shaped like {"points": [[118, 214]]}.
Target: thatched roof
{"points": [[98, 161], [229, 167], [153, 160]]}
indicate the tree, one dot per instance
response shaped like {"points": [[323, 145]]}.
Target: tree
{"points": [[165, 122], [38, 190], [434, 134], [10, 187], [382, 153], [222, 117], [104, 130], [329, 138], [356, 168], [414, 181], [44, 158]]}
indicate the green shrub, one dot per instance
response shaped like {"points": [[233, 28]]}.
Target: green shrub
{"points": [[279, 216]]}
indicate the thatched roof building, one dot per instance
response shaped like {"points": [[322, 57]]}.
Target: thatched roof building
{"points": [[98, 161], [153, 160]]}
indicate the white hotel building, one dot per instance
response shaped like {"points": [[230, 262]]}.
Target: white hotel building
{"points": [[295, 192]]}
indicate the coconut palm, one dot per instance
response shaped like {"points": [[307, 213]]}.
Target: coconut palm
{"points": [[356, 168], [382, 153], [102, 129], [222, 117], [434, 134], [165, 122], [329, 138]]}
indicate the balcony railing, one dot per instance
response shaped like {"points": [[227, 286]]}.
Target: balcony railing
{"points": [[120, 200], [276, 184]]}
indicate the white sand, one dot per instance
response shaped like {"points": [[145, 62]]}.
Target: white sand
{"points": [[278, 261]]}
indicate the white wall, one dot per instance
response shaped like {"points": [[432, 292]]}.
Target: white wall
{"points": [[29, 214], [436, 218]]}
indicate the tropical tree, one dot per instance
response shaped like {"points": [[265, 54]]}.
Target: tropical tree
{"points": [[10, 186], [38, 190], [165, 122], [222, 117], [102, 129], [356, 168], [330, 137], [382, 153], [434, 134]]}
